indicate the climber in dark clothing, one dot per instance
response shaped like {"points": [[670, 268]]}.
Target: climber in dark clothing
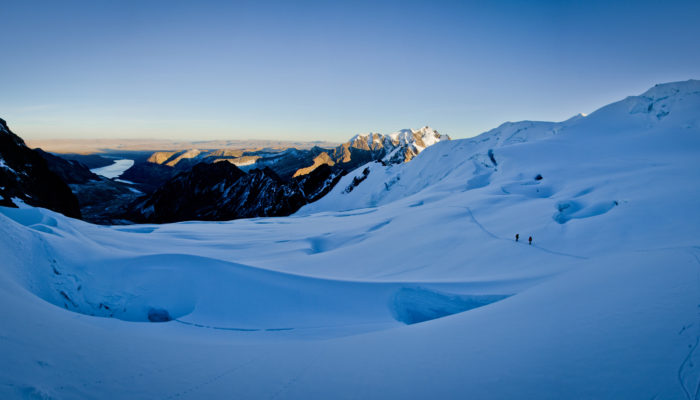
{"points": [[530, 240], [517, 236]]}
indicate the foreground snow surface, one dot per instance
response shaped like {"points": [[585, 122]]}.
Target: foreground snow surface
{"points": [[342, 299]]}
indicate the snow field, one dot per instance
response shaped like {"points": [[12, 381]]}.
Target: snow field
{"points": [[360, 294]]}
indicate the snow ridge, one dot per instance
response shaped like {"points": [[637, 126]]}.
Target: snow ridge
{"points": [[666, 109]]}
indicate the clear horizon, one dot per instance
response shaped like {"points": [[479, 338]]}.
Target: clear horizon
{"points": [[313, 71]]}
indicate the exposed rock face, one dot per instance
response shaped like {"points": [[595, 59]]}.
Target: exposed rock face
{"points": [[321, 159], [318, 182], [221, 191], [287, 162], [69, 171], [104, 201], [394, 148], [100, 199], [150, 176], [405, 144], [162, 157], [278, 182], [185, 157], [196, 184], [367, 146], [24, 174], [162, 166]]}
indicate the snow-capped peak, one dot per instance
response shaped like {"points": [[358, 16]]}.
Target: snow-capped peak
{"points": [[426, 134], [399, 146], [690, 86], [363, 136], [407, 143], [674, 100]]}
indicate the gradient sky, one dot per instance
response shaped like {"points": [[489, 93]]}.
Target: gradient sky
{"points": [[328, 70]]}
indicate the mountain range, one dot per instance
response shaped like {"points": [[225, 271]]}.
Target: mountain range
{"points": [[214, 185], [223, 184]]}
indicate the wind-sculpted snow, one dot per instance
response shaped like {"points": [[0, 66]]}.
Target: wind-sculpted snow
{"points": [[172, 286], [411, 285], [575, 209], [413, 305]]}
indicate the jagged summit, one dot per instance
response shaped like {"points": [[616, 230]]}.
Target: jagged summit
{"points": [[268, 183], [364, 136], [397, 147]]}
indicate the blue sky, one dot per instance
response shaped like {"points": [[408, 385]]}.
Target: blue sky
{"points": [[328, 70]]}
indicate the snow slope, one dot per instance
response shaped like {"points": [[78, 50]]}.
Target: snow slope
{"points": [[341, 299]]}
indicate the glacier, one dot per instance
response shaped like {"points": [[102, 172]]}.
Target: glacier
{"points": [[411, 285]]}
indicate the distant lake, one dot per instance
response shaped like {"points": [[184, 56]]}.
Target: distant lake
{"points": [[114, 170]]}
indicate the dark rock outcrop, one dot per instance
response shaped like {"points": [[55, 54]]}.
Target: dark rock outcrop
{"points": [[25, 175], [101, 200], [149, 176], [221, 191], [318, 182], [69, 171], [289, 163]]}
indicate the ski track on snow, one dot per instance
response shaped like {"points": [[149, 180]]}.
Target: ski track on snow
{"points": [[211, 379], [693, 347], [477, 223], [697, 338], [295, 378], [222, 328], [129, 379]]}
